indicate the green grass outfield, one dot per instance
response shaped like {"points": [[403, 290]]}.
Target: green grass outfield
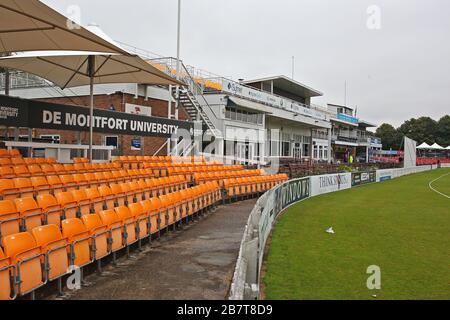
{"points": [[399, 225]]}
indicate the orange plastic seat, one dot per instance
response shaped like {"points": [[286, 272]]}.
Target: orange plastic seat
{"points": [[108, 177], [30, 213], [129, 223], [23, 252], [91, 180], [107, 196], [119, 194], [68, 204], [14, 153], [51, 209], [68, 182], [40, 185], [4, 153], [7, 272], [35, 170], [59, 168], [169, 207], [111, 219], [8, 189], [100, 177], [95, 199], [142, 218], [79, 239], [79, 167], [52, 243], [21, 171], [69, 168], [83, 202], [6, 172], [80, 180], [55, 184], [24, 186], [99, 233], [47, 169], [146, 192], [9, 218], [152, 207]]}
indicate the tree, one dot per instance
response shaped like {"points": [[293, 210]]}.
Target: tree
{"points": [[443, 131], [423, 129], [389, 136]]}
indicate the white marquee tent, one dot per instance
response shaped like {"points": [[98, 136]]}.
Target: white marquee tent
{"points": [[424, 146]]}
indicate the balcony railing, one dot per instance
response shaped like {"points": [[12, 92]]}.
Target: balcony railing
{"points": [[22, 80]]}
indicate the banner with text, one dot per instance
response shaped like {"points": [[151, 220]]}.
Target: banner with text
{"points": [[360, 178], [15, 112], [330, 183]]}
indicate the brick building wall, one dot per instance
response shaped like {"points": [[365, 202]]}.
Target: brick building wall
{"points": [[118, 100]]}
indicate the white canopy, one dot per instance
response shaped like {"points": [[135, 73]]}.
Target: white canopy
{"points": [[436, 147], [448, 148], [71, 68], [78, 68], [424, 146], [30, 25]]}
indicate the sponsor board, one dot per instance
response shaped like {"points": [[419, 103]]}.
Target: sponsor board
{"points": [[136, 144], [267, 98], [360, 178], [15, 112], [276, 200], [330, 183], [384, 175]]}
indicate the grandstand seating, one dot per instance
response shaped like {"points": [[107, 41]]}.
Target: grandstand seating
{"points": [[53, 216]]}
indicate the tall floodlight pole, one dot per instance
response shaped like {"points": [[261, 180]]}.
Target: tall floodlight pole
{"points": [[91, 71], [345, 93], [7, 75], [178, 58], [7, 81], [177, 90], [293, 67]]}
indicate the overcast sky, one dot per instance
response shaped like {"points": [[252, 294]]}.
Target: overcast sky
{"points": [[394, 73]]}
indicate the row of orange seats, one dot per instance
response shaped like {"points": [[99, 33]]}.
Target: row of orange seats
{"points": [[13, 153], [252, 185], [29, 260], [160, 164], [46, 169], [162, 170], [19, 187], [221, 175], [183, 165], [25, 161], [189, 172], [29, 211], [196, 159], [80, 160]]}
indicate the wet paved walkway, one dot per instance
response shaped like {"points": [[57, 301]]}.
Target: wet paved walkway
{"points": [[196, 262]]}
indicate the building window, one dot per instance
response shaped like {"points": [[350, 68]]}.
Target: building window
{"points": [[286, 149], [112, 141], [244, 116], [306, 150], [260, 118]]}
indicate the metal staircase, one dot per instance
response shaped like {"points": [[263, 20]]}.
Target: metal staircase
{"points": [[191, 96]]}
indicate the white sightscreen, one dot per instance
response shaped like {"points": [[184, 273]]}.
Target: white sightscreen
{"points": [[410, 152]]}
